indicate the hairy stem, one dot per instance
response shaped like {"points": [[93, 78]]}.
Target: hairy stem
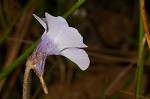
{"points": [[26, 78]]}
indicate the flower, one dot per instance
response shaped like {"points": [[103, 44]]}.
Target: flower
{"points": [[58, 39]]}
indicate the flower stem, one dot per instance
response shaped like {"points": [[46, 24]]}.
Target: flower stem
{"points": [[26, 78]]}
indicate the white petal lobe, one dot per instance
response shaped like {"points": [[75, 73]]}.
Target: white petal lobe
{"points": [[78, 56], [68, 37]]}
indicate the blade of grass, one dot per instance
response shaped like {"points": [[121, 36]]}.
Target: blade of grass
{"points": [[143, 21], [73, 8], [142, 41], [139, 71], [140, 63], [26, 54]]}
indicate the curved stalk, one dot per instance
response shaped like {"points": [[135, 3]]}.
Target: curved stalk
{"points": [[26, 78]]}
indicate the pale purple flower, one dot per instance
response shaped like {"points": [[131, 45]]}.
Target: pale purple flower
{"points": [[58, 39]]}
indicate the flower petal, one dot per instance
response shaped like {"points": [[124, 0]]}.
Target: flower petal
{"points": [[55, 24], [78, 56], [59, 31], [42, 21], [46, 46], [68, 37]]}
